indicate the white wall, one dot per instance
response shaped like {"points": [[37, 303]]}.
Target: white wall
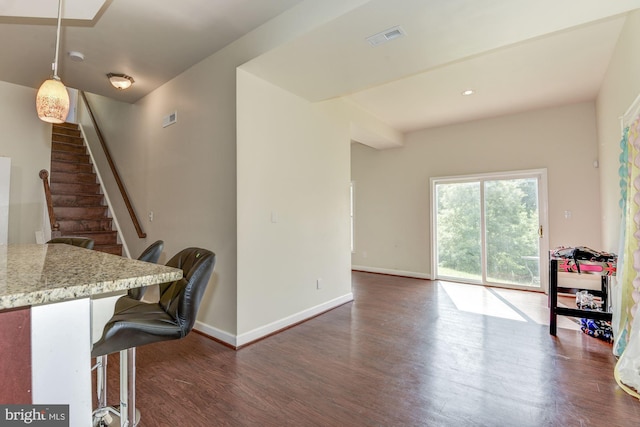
{"points": [[27, 141], [620, 87], [293, 206], [392, 200]]}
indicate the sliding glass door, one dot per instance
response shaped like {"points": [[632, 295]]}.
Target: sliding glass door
{"points": [[488, 229]]}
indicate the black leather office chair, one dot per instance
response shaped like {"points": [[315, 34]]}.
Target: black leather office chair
{"points": [[83, 242], [140, 323]]}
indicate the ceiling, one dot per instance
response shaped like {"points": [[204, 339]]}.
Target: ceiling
{"points": [[151, 40], [516, 55]]}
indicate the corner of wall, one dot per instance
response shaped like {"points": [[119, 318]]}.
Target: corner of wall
{"points": [[369, 130]]}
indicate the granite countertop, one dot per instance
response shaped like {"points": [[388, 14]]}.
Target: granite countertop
{"points": [[40, 274]]}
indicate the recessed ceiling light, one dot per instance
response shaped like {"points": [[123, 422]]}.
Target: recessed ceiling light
{"points": [[468, 92]]}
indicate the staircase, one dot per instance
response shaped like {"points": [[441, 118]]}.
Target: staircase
{"points": [[78, 202]]}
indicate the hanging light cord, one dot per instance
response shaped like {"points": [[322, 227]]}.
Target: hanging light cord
{"points": [[55, 62]]}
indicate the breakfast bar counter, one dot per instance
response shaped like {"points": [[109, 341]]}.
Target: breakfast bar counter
{"points": [[42, 274], [47, 297]]}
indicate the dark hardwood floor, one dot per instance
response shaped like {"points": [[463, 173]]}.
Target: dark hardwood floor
{"points": [[401, 354]]}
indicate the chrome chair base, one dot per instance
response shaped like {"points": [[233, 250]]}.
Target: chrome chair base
{"points": [[103, 417], [110, 416]]}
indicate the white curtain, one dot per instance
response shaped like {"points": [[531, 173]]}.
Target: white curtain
{"points": [[626, 287]]}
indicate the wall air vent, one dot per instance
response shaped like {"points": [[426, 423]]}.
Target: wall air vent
{"points": [[386, 36], [169, 119]]}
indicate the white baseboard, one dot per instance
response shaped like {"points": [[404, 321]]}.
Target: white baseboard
{"points": [[283, 323], [391, 272], [263, 331], [216, 333]]}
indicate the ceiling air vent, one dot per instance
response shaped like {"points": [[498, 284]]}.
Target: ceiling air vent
{"points": [[386, 36]]}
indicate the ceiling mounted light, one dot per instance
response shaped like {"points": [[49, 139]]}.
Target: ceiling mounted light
{"points": [[468, 92], [52, 100], [120, 81]]}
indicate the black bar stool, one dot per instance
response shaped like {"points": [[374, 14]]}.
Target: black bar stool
{"points": [[150, 254], [140, 323]]}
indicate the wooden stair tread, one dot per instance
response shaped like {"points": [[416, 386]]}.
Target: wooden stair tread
{"points": [[110, 249], [82, 159], [72, 188], [70, 132], [68, 148], [64, 177], [67, 139], [79, 194], [83, 177], [100, 238], [75, 199], [71, 168], [71, 225], [66, 128], [70, 157]]}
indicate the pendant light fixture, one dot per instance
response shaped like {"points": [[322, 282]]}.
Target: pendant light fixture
{"points": [[52, 100]]}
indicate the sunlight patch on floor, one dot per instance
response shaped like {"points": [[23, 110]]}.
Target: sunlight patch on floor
{"points": [[522, 306], [478, 299], [535, 306]]}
